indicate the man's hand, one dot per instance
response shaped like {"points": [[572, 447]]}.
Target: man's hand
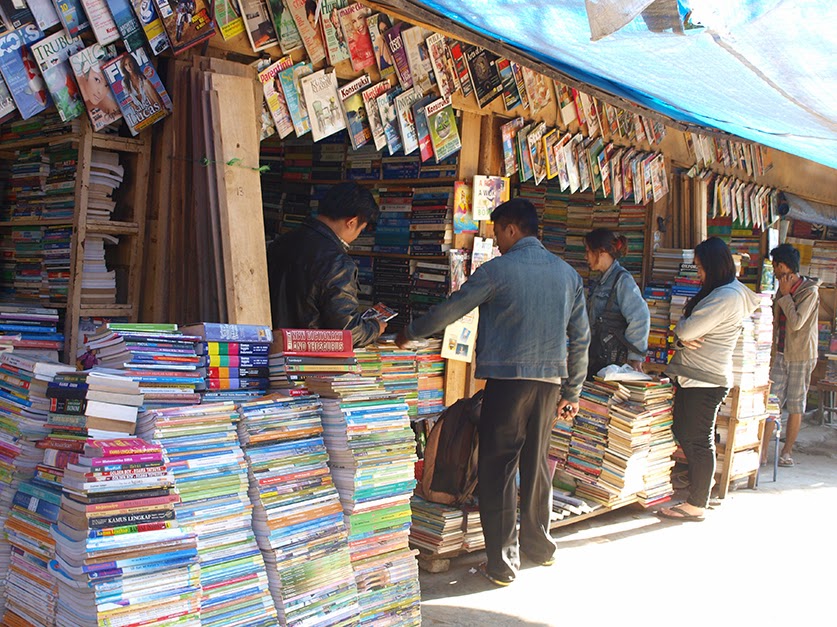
{"points": [[382, 326], [786, 283], [566, 409], [401, 339], [635, 364], [692, 344]]}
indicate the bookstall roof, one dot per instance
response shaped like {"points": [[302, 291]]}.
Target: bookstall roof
{"points": [[761, 69]]}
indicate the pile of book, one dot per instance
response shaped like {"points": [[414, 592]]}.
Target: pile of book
{"points": [[28, 175], [290, 367], [365, 276], [392, 231], [106, 176], [29, 266], [474, 540], [628, 443], [56, 241], [364, 163], [559, 442], [658, 298], [431, 379], [158, 356], [399, 374], [579, 223], [371, 454], [666, 263], [32, 331], [751, 357], [431, 229], [210, 473], [98, 284], [430, 280], [392, 286], [824, 261], [686, 285], [436, 529], [565, 505], [233, 360], [297, 517], [121, 557]]}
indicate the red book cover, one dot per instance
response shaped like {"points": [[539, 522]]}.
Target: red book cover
{"points": [[119, 447], [312, 342]]}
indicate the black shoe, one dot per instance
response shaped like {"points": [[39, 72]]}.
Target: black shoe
{"points": [[495, 579], [549, 561]]}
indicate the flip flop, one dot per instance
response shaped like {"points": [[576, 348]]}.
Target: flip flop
{"points": [[681, 514], [786, 461], [495, 580]]}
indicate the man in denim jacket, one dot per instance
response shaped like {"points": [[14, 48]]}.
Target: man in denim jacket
{"points": [[532, 349]]}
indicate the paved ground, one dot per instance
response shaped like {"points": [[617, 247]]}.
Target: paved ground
{"points": [[765, 557]]}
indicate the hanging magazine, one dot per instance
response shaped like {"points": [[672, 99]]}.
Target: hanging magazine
{"points": [[443, 131], [72, 17], [373, 113], [139, 92], [258, 24], [404, 110], [101, 21], [290, 78], [303, 12], [7, 103], [353, 20], [266, 126], [100, 102], [425, 142], [187, 22], [336, 47], [378, 25], [20, 71], [274, 96], [127, 23], [356, 121], [323, 103], [482, 68], [152, 25], [463, 216], [283, 24], [44, 12], [399, 55], [389, 119], [228, 18], [17, 13], [52, 56], [446, 77]]}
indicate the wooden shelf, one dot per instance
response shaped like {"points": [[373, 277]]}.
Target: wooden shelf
{"points": [[105, 310], [43, 140], [106, 142], [368, 253], [110, 227], [36, 222], [439, 180], [118, 144]]}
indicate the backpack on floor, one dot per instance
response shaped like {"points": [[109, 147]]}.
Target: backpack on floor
{"points": [[450, 456]]}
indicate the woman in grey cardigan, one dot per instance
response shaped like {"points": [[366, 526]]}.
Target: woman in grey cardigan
{"points": [[702, 367]]}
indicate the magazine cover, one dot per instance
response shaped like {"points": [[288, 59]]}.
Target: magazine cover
{"points": [[566, 103], [580, 148], [323, 103], [373, 114], [101, 21], [413, 42], [127, 24], [228, 18], [404, 108], [571, 157], [356, 121], [446, 77], [43, 10], [562, 161], [21, 73], [274, 95], [152, 25], [482, 68], [508, 132], [550, 141], [443, 130], [517, 70], [489, 192], [258, 24], [616, 175], [389, 119], [537, 88], [337, 49], [604, 169], [463, 217], [524, 165], [293, 95], [138, 90], [460, 64], [425, 142], [187, 22], [353, 20], [283, 24], [266, 126], [537, 153], [378, 25], [72, 17], [52, 56], [511, 97], [98, 100], [7, 103], [304, 14], [591, 114], [399, 55], [16, 13]]}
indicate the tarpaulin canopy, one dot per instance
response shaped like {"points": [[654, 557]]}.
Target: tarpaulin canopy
{"points": [[764, 70]]}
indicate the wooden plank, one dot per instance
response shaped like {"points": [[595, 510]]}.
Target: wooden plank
{"points": [[242, 223]]}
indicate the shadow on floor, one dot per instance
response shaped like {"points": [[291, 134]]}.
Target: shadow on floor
{"points": [[453, 616]]}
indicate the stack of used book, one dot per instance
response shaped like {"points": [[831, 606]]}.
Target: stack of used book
{"points": [[158, 356], [121, 557], [210, 473], [559, 442], [429, 286], [233, 360], [666, 263], [292, 364], [399, 374], [474, 539], [431, 379], [392, 231], [658, 298], [106, 176], [56, 242], [565, 505], [98, 284], [431, 230], [297, 518], [32, 331], [437, 529], [751, 358], [628, 443], [392, 281], [372, 455], [686, 285]]}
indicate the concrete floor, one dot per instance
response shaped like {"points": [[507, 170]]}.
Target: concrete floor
{"points": [[764, 557]]}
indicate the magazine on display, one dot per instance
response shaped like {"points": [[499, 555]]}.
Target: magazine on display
{"points": [[337, 49], [378, 25], [508, 132], [323, 103], [99, 101], [399, 55], [266, 126], [566, 103], [129, 27], [444, 133], [489, 192], [101, 21], [537, 89], [228, 18], [7, 103], [17, 13], [52, 56], [524, 163], [550, 141], [356, 120], [354, 20], [460, 65], [421, 68], [511, 96], [258, 24], [537, 152], [425, 141], [20, 72], [517, 71], [152, 25], [370, 101], [274, 95], [463, 216], [482, 68], [293, 95], [138, 90], [187, 22], [72, 17], [389, 119], [446, 77], [44, 12], [406, 123], [308, 32], [460, 337], [284, 25]]}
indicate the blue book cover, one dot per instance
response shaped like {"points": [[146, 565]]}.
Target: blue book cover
{"points": [[72, 16], [138, 90], [289, 79], [219, 332], [20, 71]]}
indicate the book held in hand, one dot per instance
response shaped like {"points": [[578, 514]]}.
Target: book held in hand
{"points": [[139, 92], [379, 312]]}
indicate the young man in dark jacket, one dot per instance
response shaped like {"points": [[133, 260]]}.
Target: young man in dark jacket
{"points": [[532, 348], [313, 280]]}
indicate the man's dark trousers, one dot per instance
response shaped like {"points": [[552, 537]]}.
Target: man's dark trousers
{"points": [[515, 425]]}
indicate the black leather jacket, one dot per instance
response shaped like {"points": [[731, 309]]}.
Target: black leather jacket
{"points": [[313, 283]]}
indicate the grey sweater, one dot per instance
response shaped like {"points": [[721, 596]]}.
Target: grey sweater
{"points": [[718, 320]]}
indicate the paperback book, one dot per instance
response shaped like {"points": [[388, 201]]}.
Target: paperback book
{"points": [[52, 56], [489, 192], [152, 25], [463, 216], [187, 22], [356, 121], [323, 104], [444, 133], [101, 105], [20, 71], [138, 90], [258, 24]]}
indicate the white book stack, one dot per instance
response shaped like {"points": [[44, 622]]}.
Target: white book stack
{"points": [[106, 175], [98, 284]]}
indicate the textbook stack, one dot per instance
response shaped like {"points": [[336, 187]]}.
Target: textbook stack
{"points": [[233, 360], [392, 286], [29, 273], [158, 356], [55, 283], [431, 230], [121, 556], [555, 220], [297, 518], [474, 539], [431, 379], [372, 455], [392, 230], [399, 374], [667, 261], [429, 286], [628, 443], [290, 367], [564, 505], [28, 175], [751, 358], [436, 529], [536, 194], [559, 441], [32, 331], [658, 298], [98, 284], [60, 186], [686, 285], [210, 473]]}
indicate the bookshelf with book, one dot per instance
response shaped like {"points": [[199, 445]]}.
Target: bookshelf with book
{"points": [[73, 225]]}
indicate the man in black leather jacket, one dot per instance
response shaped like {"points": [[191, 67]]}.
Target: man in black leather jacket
{"points": [[313, 280]]}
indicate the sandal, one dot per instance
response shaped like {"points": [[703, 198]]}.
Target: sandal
{"points": [[678, 513], [786, 461], [497, 581]]}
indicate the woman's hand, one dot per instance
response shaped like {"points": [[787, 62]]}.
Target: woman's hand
{"points": [[692, 344], [635, 364]]}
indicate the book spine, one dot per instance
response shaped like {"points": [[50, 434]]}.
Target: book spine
{"points": [[316, 341], [119, 448], [139, 518], [233, 361], [41, 507], [217, 332], [125, 459], [237, 348]]}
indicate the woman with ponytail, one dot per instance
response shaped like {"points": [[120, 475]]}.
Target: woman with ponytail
{"points": [[701, 368], [619, 317]]}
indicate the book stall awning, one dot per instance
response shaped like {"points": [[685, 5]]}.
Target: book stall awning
{"points": [[811, 211], [760, 69]]}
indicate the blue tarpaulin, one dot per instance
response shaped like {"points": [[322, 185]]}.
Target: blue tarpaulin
{"points": [[765, 70]]}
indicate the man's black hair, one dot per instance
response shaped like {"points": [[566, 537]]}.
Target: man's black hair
{"points": [[517, 211], [786, 254], [349, 200]]}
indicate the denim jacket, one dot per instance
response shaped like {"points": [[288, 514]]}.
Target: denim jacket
{"points": [[531, 303], [628, 301]]}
